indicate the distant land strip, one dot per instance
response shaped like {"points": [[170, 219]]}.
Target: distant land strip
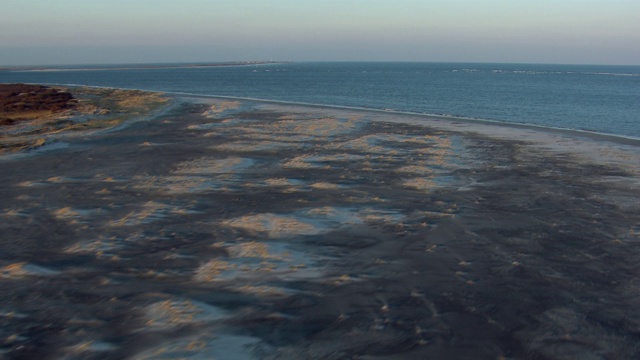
{"points": [[136, 66]]}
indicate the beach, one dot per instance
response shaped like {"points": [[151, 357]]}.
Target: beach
{"points": [[207, 228]]}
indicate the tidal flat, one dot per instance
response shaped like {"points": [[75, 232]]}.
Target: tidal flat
{"points": [[236, 229]]}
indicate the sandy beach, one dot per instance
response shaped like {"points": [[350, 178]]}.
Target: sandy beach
{"points": [[236, 229]]}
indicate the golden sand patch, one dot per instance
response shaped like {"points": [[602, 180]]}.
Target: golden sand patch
{"points": [[378, 217], [275, 226], [58, 179], [439, 140], [179, 184], [325, 126], [75, 216], [172, 313], [67, 213], [24, 269], [250, 249], [299, 162], [278, 182], [13, 270], [367, 143], [220, 107], [323, 211], [211, 270], [90, 346], [16, 212], [205, 344], [103, 245], [257, 146], [419, 184], [254, 249], [222, 270], [388, 144], [131, 99], [316, 161], [264, 134], [213, 166], [439, 152], [292, 117], [261, 290], [324, 186], [420, 168], [251, 262], [330, 215], [437, 156], [281, 185], [150, 212], [339, 158]]}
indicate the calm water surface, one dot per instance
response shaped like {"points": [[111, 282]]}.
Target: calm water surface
{"points": [[595, 98]]}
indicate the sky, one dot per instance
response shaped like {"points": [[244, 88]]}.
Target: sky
{"points": [[48, 32]]}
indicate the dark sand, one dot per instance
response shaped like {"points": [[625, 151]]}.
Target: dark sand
{"points": [[242, 230]]}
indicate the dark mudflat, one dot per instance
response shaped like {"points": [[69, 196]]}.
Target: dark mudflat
{"points": [[242, 231]]}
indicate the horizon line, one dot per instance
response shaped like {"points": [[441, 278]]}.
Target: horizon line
{"points": [[196, 64]]}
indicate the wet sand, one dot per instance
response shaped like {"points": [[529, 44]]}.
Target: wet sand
{"points": [[247, 230]]}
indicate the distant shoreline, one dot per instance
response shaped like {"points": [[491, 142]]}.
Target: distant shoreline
{"points": [[136, 66]]}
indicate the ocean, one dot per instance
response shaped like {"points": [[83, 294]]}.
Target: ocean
{"points": [[603, 99]]}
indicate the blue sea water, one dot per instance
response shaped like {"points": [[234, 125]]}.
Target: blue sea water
{"points": [[602, 99]]}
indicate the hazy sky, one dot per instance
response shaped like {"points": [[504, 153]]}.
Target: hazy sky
{"points": [[126, 31]]}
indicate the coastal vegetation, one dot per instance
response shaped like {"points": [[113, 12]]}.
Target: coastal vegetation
{"points": [[34, 115], [19, 102]]}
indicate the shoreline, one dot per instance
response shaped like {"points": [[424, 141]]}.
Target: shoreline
{"points": [[590, 146], [555, 139], [143, 66], [617, 138], [243, 229]]}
